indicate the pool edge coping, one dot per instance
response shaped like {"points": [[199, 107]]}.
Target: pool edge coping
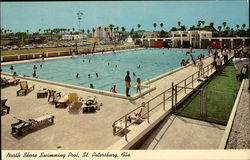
{"points": [[96, 91]]}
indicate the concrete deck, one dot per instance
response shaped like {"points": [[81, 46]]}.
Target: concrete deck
{"points": [[177, 132], [74, 131]]}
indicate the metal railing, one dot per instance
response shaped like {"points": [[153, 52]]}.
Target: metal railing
{"points": [[168, 95]]}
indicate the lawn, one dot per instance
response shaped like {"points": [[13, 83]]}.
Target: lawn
{"points": [[27, 51], [218, 105]]}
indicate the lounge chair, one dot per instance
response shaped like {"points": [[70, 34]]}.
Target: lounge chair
{"points": [[62, 101], [23, 126], [24, 88], [140, 116], [7, 82], [54, 95], [4, 109], [91, 105], [75, 102]]}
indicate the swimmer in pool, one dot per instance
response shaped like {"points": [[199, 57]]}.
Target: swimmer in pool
{"points": [[11, 67], [113, 89], [77, 75], [91, 85]]}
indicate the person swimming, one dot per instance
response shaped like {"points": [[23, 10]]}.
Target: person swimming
{"points": [[34, 67], [96, 75], [108, 64], [91, 85], [89, 60], [183, 63], [11, 67], [115, 66], [133, 73], [82, 60], [34, 74], [113, 89], [41, 66], [139, 66], [77, 75], [89, 75]]}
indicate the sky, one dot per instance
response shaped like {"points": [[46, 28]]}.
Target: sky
{"points": [[20, 16]]}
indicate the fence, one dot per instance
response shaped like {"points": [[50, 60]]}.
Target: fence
{"points": [[208, 105], [170, 95], [58, 53]]}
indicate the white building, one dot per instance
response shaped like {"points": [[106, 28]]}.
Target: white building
{"points": [[102, 32], [192, 38], [72, 37], [150, 34]]}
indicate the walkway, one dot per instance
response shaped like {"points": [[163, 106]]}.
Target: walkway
{"points": [[184, 133]]}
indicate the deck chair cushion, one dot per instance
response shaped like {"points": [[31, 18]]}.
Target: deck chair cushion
{"points": [[73, 97]]}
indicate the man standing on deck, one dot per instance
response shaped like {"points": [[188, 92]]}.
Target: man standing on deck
{"points": [[127, 83]]}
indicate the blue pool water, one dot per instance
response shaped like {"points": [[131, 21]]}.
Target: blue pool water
{"points": [[154, 62]]}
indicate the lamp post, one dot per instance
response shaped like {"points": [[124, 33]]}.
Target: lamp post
{"points": [[79, 15]]}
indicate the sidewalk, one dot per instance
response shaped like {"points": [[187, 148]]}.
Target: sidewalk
{"points": [[177, 132]]}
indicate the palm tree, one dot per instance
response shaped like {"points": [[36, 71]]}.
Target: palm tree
{"points": [[224, 25], [211, 26], [237, 26], [155, 25], [99, 27], [183, 28], [219, 28], [88, 31], [117, 28], [161, 24], [132, 32], [73, 29], [123, 29], [179, 23], [27, 31], [83, 31], [111, 26], [243, 26], [138, 26], [199, 24], [202, 22], [93, 30]]}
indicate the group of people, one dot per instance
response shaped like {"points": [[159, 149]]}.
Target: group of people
{"points": [[128, 85], [89, 75]]}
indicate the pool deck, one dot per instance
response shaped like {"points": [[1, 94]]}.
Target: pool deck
{"points": [[177, 132], [74, 131]]}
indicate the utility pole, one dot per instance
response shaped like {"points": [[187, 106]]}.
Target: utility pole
{"points": [[79, 15]]}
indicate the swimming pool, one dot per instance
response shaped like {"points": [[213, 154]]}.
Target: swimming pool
{"points": [[153, 62]]}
